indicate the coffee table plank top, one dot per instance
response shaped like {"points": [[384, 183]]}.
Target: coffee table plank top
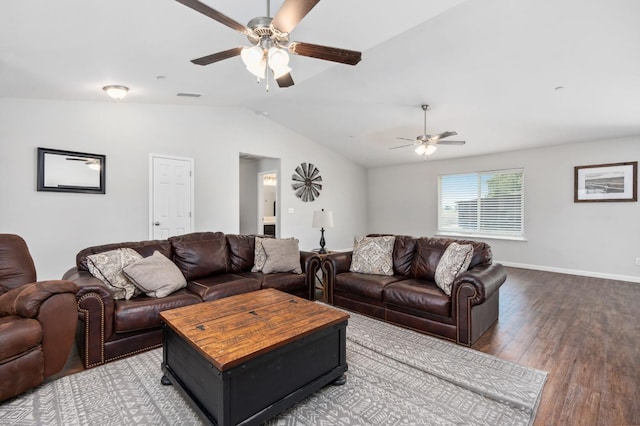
{"points": [[230, 331]]}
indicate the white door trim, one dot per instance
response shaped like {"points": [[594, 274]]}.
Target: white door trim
{"points": [[192, 182]]}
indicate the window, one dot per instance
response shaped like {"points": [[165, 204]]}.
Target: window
{"points": [[489, 204]]}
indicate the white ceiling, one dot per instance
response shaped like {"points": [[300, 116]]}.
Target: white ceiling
{"points": [[487, 68]]}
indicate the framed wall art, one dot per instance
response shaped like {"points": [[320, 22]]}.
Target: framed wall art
{"points": [[70, 171], [606, 182]]}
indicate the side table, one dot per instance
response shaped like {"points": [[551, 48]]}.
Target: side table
{"points": [[321, 279]]}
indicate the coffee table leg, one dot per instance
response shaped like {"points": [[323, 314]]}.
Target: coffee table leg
{"points": [[165, 380], [340, 381]]}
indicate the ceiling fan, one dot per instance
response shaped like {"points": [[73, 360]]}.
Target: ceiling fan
{"points": [[426, 144], [270, 41]]}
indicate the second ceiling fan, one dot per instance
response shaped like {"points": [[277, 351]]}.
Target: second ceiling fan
{"points": [[270, 41], [426, 144]]}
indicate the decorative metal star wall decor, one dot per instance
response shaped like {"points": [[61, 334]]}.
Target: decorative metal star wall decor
{"points": [[305, 182]]}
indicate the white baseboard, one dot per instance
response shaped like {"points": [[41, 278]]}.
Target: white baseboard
{"points": [[629, 278]]}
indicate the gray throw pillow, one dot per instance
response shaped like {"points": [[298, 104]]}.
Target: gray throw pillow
{"points": [[107, 267], [454, 261], [156, 275], [281, 256], [373, 255]]}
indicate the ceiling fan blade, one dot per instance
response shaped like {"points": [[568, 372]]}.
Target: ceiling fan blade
{"points": [[402, 146], [451, 142], [216, 57], [406, 139], [285, 80], [291, 13], [344, 56], [214, 14], [442, 136]]}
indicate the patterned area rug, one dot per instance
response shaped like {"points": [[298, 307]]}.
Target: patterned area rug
{"points": [[396, 377]]}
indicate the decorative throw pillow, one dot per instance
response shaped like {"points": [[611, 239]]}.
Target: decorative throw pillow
{"points": [[282, 255], [156, 275], [454, 261], [373, 255], [259, 256], [107, 267]]}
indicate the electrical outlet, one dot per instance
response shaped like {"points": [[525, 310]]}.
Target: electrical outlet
{"points": [[637, 261]]}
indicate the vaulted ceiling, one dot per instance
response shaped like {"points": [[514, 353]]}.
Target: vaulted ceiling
{"points": [[504, 74]]}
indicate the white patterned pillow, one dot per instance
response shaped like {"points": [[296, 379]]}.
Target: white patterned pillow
{"points": [[373, 255], [454, 261], [259, 255], [107, 267]]}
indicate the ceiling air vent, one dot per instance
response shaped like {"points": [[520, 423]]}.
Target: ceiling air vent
{"points": [[189, 95]]}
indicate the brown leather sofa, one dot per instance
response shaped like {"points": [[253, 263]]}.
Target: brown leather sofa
{"points": [[215, 266], [411, 298], [37, 321]]}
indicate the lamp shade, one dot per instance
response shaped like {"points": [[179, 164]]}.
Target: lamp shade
{"points": [[322, 219]]}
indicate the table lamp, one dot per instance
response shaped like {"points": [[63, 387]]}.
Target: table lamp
{"points": [[322, 219]]}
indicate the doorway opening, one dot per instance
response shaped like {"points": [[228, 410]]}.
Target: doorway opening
{"points": [[259, 194]]}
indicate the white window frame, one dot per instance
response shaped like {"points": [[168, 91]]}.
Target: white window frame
{"points": [[479, 231]]}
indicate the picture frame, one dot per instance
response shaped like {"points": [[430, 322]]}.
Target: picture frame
{"points": [[606, 182], [71, 171]]}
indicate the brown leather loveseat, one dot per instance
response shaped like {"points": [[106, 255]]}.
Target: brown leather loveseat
{"points": [[410, 296], [215, 265], [37, 321]]}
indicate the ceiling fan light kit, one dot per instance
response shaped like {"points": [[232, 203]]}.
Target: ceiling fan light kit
{"points": [[426, 144], [269, 38]]}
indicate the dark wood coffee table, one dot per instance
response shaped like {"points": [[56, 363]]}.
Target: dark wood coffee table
{"points": [[244, 359]]}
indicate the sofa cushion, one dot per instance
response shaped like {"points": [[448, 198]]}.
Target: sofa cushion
{"points": [[201, 258], [373, 255], [454, 261], [241, 252], [156, 276], [143, 313], [108, 266], [222, 285], [403, 251], [419, 295], [367, 285], [281, 256], [287, 282], [426, 258]]}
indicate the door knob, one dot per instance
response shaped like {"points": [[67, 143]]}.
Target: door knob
{"points": [[156, 223]]}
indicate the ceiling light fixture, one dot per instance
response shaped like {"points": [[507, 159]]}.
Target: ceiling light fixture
{"points": [[426, 150], [116, 92]]}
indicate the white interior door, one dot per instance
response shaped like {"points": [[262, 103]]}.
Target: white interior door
{"points": [[171, 196]]}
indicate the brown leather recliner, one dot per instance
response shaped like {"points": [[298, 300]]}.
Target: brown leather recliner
{"points": [[37, 320]]}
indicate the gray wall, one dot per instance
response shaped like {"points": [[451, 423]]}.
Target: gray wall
{"points": [[596, 239], [57, 225]]}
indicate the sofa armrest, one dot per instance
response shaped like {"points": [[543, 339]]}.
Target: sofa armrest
{"points": [[332, 265], [305, 259], [95, 302], [25, 301], [309, 263], [485, 280]]}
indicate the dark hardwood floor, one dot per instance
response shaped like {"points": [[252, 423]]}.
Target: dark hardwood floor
{"points": [[584, 332]]}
